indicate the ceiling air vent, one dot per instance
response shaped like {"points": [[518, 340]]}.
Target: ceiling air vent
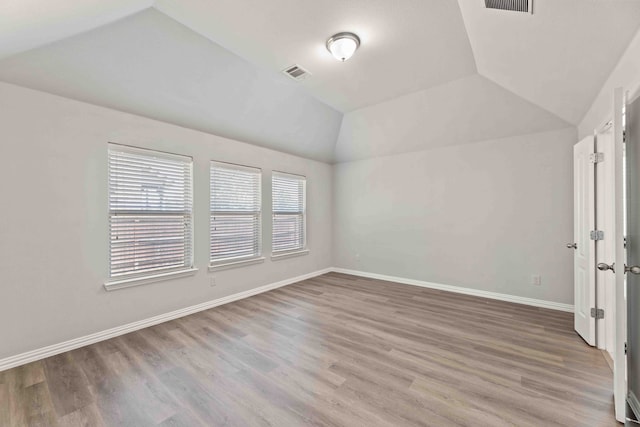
{"points": [[296, 72], [513, 5]]}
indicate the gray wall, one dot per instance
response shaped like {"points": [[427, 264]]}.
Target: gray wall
{"points": [[486, 215], [53, 226]]}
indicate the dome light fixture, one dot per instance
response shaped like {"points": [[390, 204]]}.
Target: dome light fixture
{"points": [[343, 45]]}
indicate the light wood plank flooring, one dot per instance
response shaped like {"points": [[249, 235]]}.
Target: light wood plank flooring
{"points": [[335, 350]]}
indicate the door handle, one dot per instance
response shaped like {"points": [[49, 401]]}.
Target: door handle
{"points": [[634, 269], [604, 267], [572, 246]]}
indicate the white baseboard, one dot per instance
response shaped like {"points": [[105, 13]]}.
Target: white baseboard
{"points": [[460, 290], [52, 350]]}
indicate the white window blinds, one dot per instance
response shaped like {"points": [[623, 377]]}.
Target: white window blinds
{"points": [[235, 213], [150, 212], [289, 212]]}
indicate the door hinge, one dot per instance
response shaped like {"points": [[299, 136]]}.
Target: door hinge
{"points": [[597, 313], [596, 157], [597, 235]]}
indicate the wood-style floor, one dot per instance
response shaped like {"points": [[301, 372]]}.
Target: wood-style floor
{"points": [[335, 350]]}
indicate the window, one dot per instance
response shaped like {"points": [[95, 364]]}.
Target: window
{"points": [[235, 215], [150, 213], [289, 213]]}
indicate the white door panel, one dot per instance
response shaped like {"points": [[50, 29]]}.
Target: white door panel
{"points": [[627, 156], [605, 249], [584, 222]]}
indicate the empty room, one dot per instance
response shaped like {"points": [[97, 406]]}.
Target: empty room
{"points": [[319, 213]]}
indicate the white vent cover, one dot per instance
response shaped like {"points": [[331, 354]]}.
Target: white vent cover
{"points": [[296, 72], [513, 5]]}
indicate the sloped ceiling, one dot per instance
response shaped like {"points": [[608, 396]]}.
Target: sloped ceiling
{"points": [[429, 72], [483, 111], [149, 64], [560, 56], [25, 24], [407, 45]]}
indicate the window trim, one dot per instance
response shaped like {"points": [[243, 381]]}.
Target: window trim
{"points": [[289, 254], [304, 250], [240, 261], [144, 280], [140, 278]]}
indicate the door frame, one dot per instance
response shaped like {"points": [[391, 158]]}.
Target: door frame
{"points": [[620, 361], [605, 249], [618, 318]]}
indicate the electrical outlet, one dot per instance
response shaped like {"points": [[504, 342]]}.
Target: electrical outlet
{"points": [[536, 280], [212, 282]]}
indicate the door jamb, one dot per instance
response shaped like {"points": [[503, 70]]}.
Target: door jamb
{"points": [[605, 249]]}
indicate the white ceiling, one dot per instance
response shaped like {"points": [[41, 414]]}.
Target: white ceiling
{"points": [[540, 71], [150, 65], [25, 24], [406, 45], [483, 111], [560, 56]]}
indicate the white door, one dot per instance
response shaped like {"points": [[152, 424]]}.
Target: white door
{"points": [[626, 253], [622, 188], [632, 256], [584, 248], [605, 248]]}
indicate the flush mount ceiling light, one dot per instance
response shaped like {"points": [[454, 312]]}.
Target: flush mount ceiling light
{"points": [[343, 45]]}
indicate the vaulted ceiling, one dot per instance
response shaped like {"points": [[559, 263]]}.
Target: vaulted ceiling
{"points": [[560, 56], [149, 64], [407, 45], [483, 110], [429, 72]]}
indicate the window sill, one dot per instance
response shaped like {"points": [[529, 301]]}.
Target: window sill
{"points": [[137, 281], [234, 264], [285, 255]]}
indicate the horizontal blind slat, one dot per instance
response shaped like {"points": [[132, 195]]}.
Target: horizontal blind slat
{"points": [[289, 212], [150, 212], [235, 206]]}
